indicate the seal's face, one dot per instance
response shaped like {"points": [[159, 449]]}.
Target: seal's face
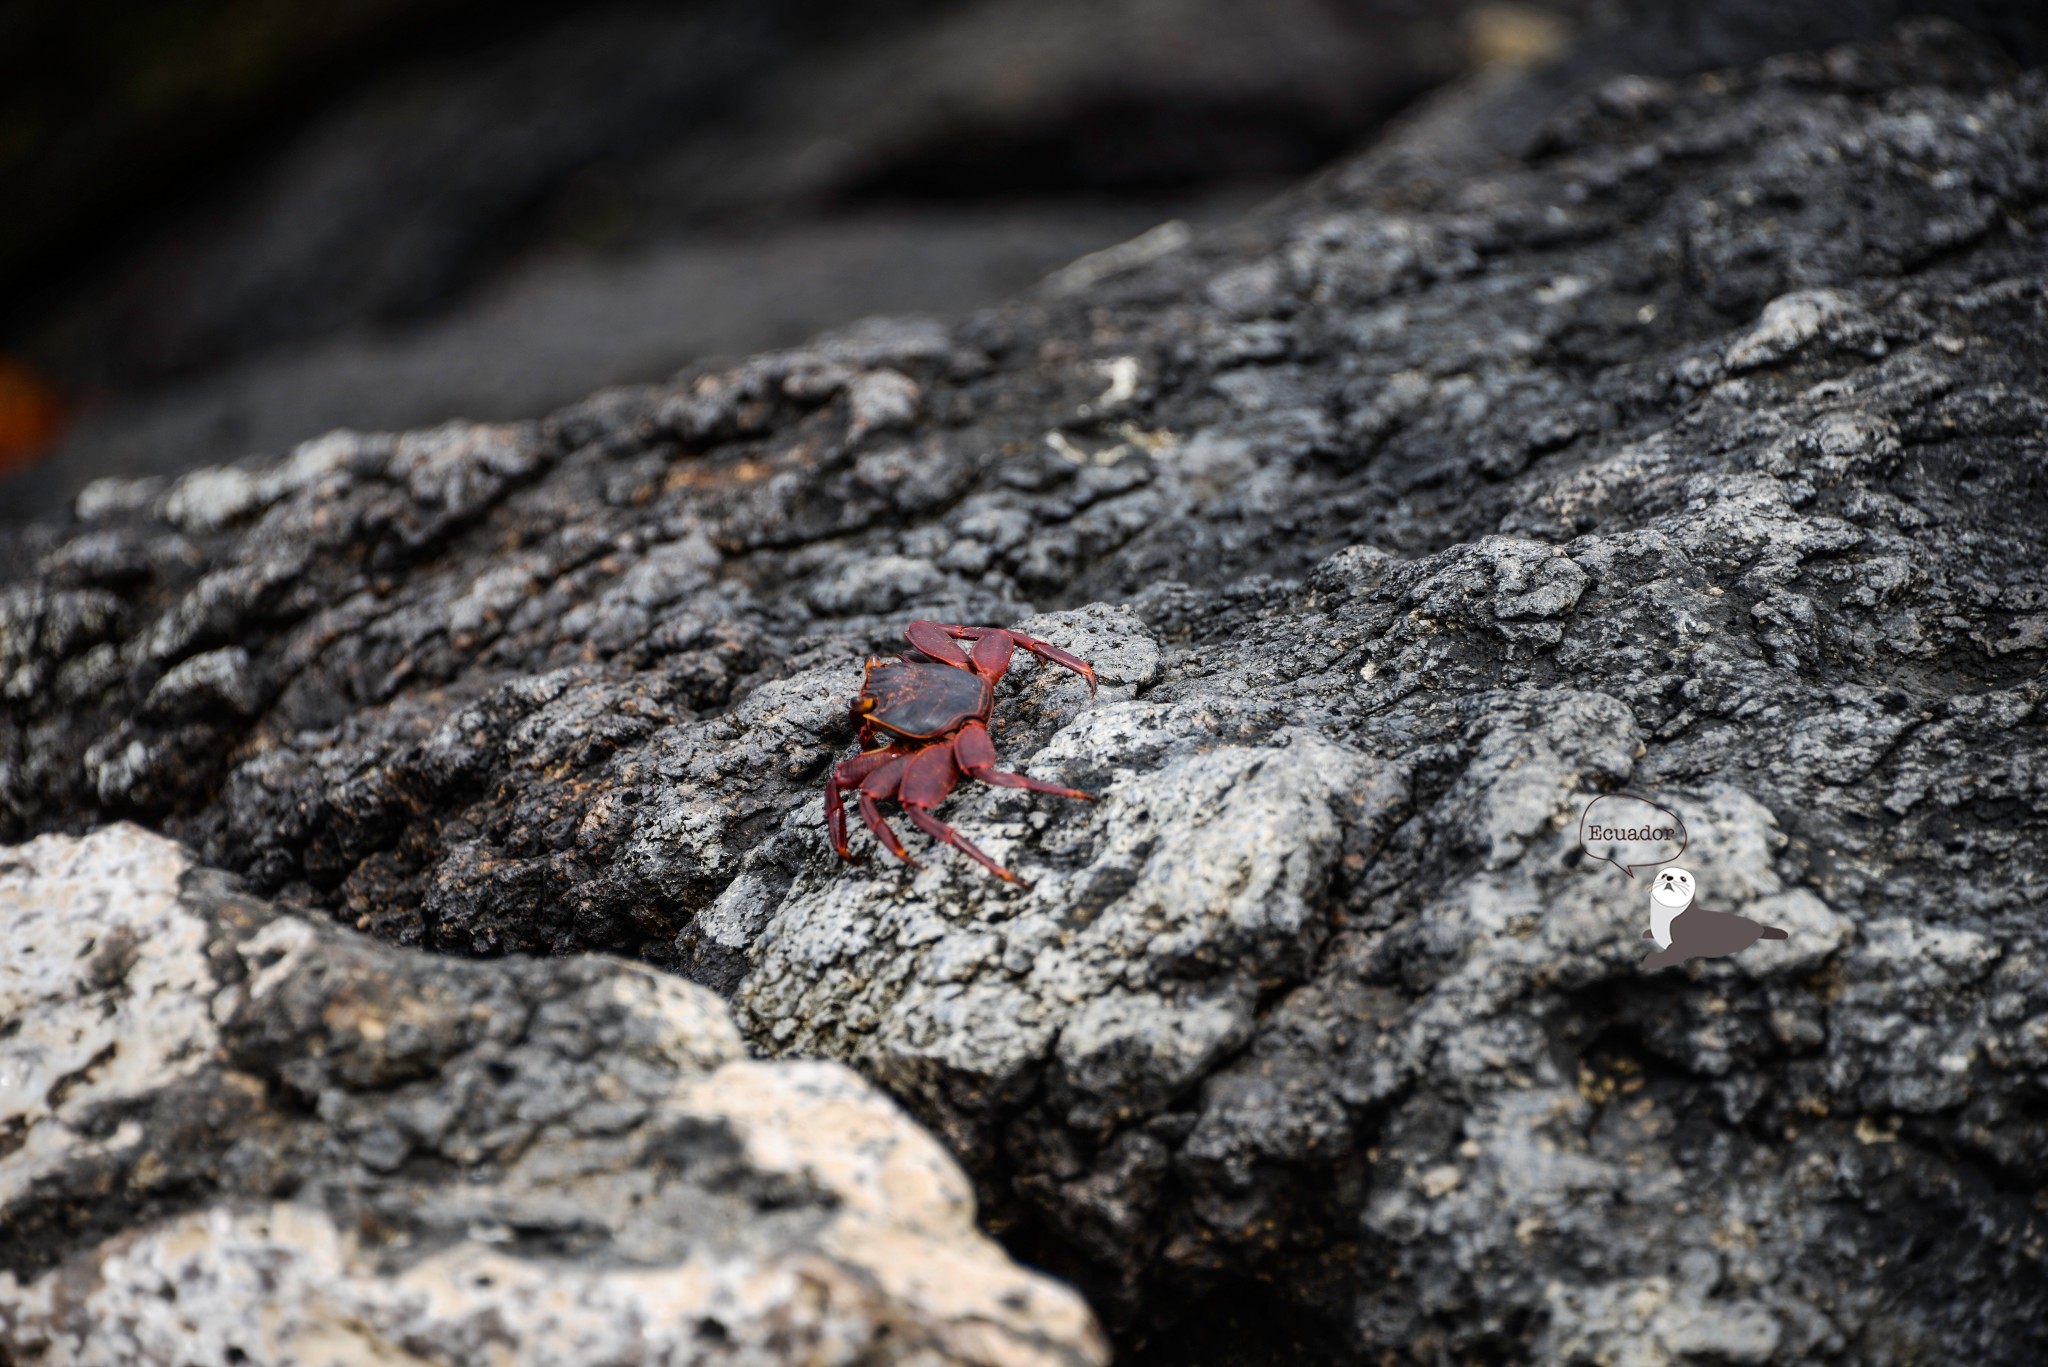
{"points": [[1672, 888]]}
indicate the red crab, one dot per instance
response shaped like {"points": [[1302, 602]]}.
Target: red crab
{"points": [[923, 723]]}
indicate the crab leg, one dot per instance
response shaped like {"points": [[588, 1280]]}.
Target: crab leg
{"points": [[976, 755], [845, 777], [931, 640], [927, 780], [992, 647], [990, 657], [883, 782], [1052, 654]]}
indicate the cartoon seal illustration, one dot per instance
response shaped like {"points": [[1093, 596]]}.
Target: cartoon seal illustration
{"points": [[1670, 894], [1682, 931]]}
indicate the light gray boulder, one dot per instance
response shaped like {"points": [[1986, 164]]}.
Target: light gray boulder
{"points": [[236, 1136]]}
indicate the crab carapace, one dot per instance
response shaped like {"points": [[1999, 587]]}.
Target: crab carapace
{"points": [[924, 725]]}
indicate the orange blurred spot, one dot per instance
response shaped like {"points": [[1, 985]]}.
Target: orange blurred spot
{"points": [[31, 415]]}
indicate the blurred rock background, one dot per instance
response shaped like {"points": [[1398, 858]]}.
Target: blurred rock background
{"points": [[234, 224]]}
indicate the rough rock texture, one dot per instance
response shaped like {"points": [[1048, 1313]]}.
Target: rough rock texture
{"points": [[1699, 450], [228, 1135]]}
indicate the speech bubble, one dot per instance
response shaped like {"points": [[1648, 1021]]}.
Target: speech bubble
{"points": [[1630, 832]]}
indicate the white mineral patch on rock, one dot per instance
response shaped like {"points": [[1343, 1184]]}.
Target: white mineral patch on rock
{"points": [[1789, 322], [105, 977], [621, 1184], [281, 1284]]}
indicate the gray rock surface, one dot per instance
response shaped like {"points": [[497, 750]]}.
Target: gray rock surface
{"points": [[235, 1136], [1697, 449]]}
